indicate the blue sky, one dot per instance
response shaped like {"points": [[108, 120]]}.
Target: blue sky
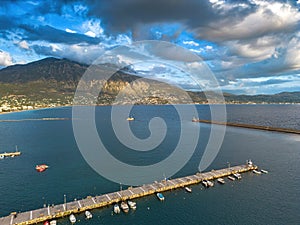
{"points": [[252, 46]]}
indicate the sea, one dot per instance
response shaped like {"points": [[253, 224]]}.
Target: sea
{"points": [[271, 198]]}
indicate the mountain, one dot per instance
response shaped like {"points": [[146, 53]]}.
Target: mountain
{"points": [[53, 81]]}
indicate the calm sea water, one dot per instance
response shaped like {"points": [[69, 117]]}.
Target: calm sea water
{"points": [[265, 199]]}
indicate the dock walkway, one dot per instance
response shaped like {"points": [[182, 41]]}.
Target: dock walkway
{"points": [[10, 154], [78, 206]]}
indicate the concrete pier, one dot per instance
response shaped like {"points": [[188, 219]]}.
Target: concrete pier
{"points": [[88, 203]]}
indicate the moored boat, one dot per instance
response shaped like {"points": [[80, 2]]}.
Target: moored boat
{"points": [[210, 183], [204, 182], [53, 222], [256, 172], [130, 118], [221, 180], [132, 204], [231, 178], [41, 168], [88, 214], [124, 207], [72, 218], [237, 176], [264, 171], [46, 223], [117, 209], [1, 156], [188, 189], [160, 196]]}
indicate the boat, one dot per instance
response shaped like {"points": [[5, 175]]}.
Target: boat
{"points": [[237, 176], [1, 156], [256, 172], [116, 209], [264, 171], [88, 214], [53, 222], [195, 119], [188, 189], [231, 178], [221, 180], [160, 196], [210, 183], [132, 204], [46, 223], [130, 118], [124, 207], [41, 168], [204, 182], [72, 218]]}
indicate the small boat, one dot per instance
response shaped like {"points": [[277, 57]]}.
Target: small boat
{"points": [[204, 182], [195, 119], [88, 214], [231, 178], [264, 171], [41, 168], [124, 207], [72, 218], [130, 118], [132, 204], [116, 209], [221, 180], [210, 183], [1, 156], [53, 222], [237, 176], [46, 223], [160, 196], [188, 189], [256, 172]]}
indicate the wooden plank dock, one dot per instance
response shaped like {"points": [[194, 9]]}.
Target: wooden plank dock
{"points": [[88, 203]]}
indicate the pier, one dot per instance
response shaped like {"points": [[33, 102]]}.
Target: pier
{"points": [[9, 154], [89, 203], [250, 126]]}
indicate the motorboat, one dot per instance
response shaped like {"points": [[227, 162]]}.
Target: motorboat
{"points": [[116, 209], [188, 189], [256, 172], [88, 214], [124, 207], [132, 204], [160, 196], [72, 218], [221, 180], [231, 178]]}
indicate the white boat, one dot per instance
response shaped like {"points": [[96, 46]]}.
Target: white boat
{"points": [[116, 209], [204, 182], [72, 218], [221, 180], [88, 214], [124, 207], [188, 189], [132, 204], [130, 118], [53, 222], [264, 171], [160, 196], [231, 178], [256, 172], [210, 183], [237, 176], [1, 156]]}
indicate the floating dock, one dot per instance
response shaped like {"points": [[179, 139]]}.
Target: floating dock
{"points": [[10, 154], [78, 206]]}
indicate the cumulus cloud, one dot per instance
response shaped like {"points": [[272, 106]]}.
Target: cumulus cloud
{"points": [[24, 45], [5, 59]]}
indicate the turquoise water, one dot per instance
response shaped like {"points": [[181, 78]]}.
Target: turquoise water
{"points": [[265, 199]]}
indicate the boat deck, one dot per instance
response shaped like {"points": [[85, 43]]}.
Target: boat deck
{"points": [[78, 206]]}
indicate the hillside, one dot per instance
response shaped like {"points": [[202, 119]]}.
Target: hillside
{"points": [[52, 82]]}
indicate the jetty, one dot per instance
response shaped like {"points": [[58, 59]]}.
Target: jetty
{"points": [[89, 203], [9, 154], [249, 126]]}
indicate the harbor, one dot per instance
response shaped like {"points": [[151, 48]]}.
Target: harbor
{"points": [[93, 202]]}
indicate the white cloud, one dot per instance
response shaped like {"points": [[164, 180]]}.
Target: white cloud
{"points": [[24, 45], [192, 43], [70, 31], [5, 59], [92, 28]]}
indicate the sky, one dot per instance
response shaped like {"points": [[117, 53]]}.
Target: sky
{"points": [[251, 46]]}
